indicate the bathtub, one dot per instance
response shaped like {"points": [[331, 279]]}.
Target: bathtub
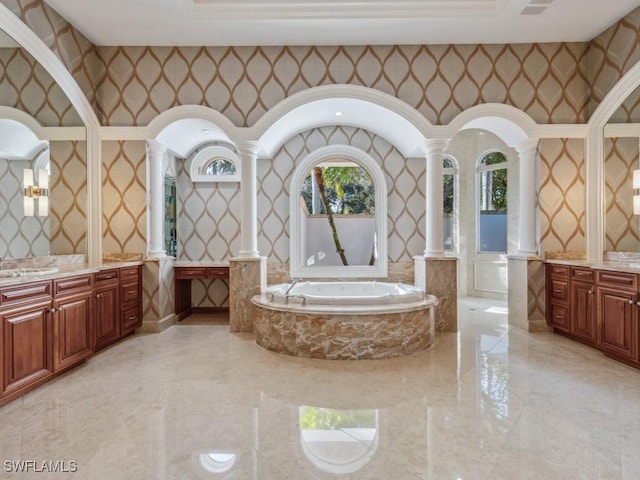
{"points": [[345, 320], [344, 293]]}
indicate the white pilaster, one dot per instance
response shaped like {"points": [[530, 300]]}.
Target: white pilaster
{"points": [[249, 192], [434, 152], [155, 198], [527, 151]]}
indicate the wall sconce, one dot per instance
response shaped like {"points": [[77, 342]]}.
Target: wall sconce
{"points": [[33, 192]]}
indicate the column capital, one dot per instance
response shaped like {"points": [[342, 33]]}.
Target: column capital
{"points": [[527, 147], [434, 146], [249, 148], [156, 148]]}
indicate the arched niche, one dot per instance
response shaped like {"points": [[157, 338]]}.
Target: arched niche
{"points": [[298, 265]]}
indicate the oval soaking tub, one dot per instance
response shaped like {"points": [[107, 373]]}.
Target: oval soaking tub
{"points": [[345, 320]]}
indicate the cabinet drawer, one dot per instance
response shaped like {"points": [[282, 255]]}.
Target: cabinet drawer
{"points": [[130, 274], [559, 290], [23, 293], [559, 317], [628, 281], [560, 271], [218, 272], [191, 272], [113, 274], [129, 293], [64, 286], [582, 274], [130, 320]]}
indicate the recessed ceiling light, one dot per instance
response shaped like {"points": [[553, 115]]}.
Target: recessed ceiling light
{"points": [[338, 114]]}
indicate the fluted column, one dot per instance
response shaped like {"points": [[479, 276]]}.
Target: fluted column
{"points": [[527, 151], [434, 152], [155, 198], [249, 204]]}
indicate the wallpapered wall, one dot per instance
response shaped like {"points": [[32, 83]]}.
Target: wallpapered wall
{"points": [[21, 236], [548, 81], [68, 191], [27, 86]]}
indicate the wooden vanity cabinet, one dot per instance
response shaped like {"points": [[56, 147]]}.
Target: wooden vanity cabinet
{"points": [[26, 355], [106, 307], [596, 307], [73, 326], [618, 315]]}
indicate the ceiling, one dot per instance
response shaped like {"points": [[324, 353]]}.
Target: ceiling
{"points": [[339, 22]]}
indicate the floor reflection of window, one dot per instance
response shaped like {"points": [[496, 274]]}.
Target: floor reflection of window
{"points": [[338, 441], [215, 464]]}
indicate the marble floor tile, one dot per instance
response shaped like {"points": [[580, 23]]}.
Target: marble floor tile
{"points": [[489, 402]]}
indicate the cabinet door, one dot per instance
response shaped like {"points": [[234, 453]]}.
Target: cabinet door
{"points": [[72, 330], [107, 315], [583, 312], [618, 323], [27, 349]]}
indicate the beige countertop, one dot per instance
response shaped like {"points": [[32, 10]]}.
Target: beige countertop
{"points": [[630, 267], [26, 275]]}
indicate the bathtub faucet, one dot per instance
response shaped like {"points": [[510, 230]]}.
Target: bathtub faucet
{"points": [[293, 281]]}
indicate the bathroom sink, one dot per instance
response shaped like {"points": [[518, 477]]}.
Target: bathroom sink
{"points": [[35, 271]]}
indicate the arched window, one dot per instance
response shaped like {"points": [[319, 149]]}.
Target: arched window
{"points": [[449, 203], [214, 163], [360, 220], [492, 203]]}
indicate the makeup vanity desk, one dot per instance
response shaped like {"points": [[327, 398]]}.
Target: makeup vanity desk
{"points": [[184, 273]]}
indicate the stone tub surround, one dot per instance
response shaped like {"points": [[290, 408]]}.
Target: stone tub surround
{"points": [[344, 333]]}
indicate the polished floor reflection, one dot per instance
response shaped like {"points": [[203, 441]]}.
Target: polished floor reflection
{"points": [[198, 402]]}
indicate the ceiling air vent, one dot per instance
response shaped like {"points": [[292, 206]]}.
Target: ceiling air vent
{"points": [[536, 7], [531, 10]]}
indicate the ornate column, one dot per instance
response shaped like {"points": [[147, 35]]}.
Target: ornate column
{"points": [[247, 272], [434, 152], [434, 272], [155, 198], [526, 278], [527, 151], [249, 193]]}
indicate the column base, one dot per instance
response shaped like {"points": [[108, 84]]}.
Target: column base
{"points": [[439, 276], [526, 293], [247, 277]]}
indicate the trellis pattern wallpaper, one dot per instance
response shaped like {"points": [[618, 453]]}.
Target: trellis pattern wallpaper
{"points": [[27, 86], [548, 81], [68, 191], [612, 54], [124, 203], [561, 198], [21, 236], [621, 225], [75, 51]]}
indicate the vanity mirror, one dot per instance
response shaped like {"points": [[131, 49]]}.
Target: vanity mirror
{"points": [[39, 131], [621, 158]]}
